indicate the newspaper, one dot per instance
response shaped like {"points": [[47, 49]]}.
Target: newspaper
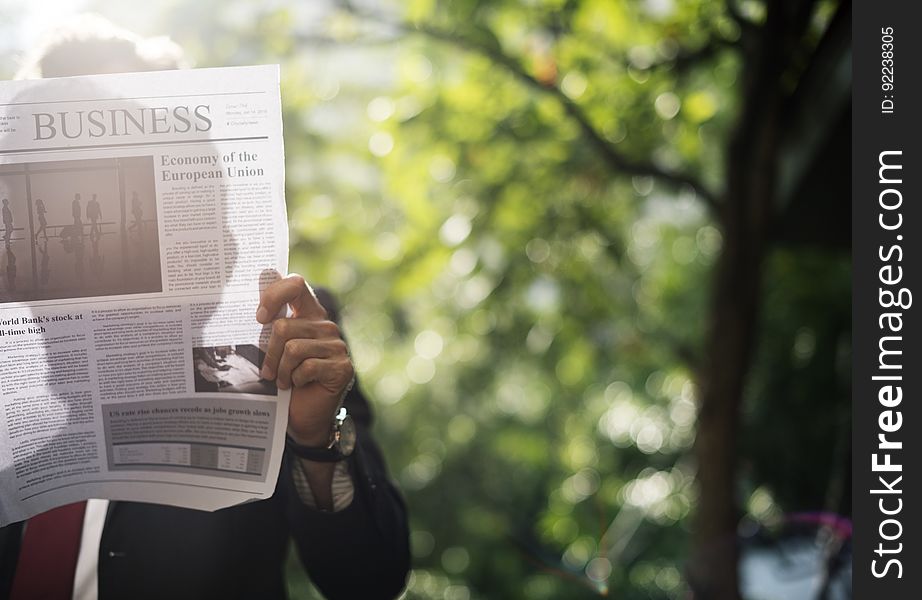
{"points": [[141, 214]]}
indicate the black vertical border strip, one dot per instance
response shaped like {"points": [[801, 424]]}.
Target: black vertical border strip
{"points": [[874, 132]]}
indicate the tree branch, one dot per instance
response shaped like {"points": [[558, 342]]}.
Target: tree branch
{"points": [[609, 153], [688, 58]]}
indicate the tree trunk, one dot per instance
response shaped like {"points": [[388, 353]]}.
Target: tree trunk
{"points": [[745, 218], [733, 321]]}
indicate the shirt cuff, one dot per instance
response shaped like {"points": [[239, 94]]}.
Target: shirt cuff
{"points": [[343, 488]]}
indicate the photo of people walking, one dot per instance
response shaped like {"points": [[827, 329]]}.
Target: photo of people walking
{"points": [[42, 222], [7, 222], [74, 229], [94, 213]]}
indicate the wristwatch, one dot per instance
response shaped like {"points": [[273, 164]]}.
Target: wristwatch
{"points": [[342, 441]]}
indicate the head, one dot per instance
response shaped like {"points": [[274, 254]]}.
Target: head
{"points": [[5, 202], [76, 196], [89, 44]]}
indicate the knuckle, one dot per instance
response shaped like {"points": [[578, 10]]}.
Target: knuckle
{"points": [[297, 279], [340, 348], [292, 346], [281, 327], [302, 373], [329, 329]]}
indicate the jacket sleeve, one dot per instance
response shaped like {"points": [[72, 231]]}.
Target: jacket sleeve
{"points": [[361, 551]]}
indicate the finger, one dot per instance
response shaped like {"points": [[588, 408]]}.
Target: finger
{"points": [[298, 350], [294, 292], [281, 333], [334, 374], [267, 277], [284, 330]]}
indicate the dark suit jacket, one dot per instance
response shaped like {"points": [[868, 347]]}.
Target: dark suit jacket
{"points": [[166, 553]]}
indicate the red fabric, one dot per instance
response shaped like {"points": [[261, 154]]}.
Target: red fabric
{"points": [[48, 557]]}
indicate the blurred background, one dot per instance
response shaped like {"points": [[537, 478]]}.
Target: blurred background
{"points": [[594, 261]]}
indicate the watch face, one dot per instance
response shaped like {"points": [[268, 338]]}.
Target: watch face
{"points": [[347, 436]]}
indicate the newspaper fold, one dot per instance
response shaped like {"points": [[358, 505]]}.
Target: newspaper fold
{"points": [[141, 214]]}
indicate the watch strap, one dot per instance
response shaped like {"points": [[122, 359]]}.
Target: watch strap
{"points": [[327, 454]]}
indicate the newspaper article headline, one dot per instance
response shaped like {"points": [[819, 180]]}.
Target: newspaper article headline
{"points": [[26, 325]]}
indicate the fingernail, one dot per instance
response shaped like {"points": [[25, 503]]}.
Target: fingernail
{"points": [[262, 315], [266, 373]]}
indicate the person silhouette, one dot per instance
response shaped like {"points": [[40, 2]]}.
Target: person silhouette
{"points": [[77, 213], [94, 213], [42, 223], [137, 211], [7, 222]]}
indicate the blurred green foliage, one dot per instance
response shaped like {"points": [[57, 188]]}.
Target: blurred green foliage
{"points": [[524, 317]]}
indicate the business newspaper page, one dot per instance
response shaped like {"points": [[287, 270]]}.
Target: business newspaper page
{"points": [[141, 215]]}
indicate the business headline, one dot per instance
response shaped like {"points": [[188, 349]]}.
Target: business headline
{"points": [[34, 325], [231, 165]]}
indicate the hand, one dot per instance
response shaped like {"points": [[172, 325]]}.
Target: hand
{"points": [[306, 353]]}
